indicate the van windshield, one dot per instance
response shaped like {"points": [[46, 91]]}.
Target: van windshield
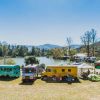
{"points": [[30, 70]]}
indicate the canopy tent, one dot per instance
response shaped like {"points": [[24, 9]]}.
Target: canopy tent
{"points": [[98, 61], [80, 56], [97, 67], [85, 68]]}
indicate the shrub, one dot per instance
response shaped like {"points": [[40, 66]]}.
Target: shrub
{"points": [[31, 60], [10, 62]]}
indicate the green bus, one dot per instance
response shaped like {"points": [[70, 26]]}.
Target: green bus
{"points": [[10, 70]]}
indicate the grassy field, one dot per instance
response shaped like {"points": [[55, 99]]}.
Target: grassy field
{"points": [[40, 90]]}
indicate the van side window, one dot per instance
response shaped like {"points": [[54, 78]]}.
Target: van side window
{"points": [[48, 70], [1, 69], [63, 70], [9, 69], [69, 70], [5, 69]]}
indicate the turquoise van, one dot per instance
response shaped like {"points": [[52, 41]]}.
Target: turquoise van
{"points": [[10, 70]]}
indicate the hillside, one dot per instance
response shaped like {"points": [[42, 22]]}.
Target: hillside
{"points": [[75, 46], [51, 46], [97, 44], [48, 46]]}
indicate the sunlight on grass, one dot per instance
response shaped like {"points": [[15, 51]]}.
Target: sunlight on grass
{"points": [[40, 90]]}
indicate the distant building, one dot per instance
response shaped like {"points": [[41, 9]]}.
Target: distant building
{"points": [[80, 56]]}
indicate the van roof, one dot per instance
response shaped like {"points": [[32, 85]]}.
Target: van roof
{"points": [[63, 66], [31, 66], [8, 65]]}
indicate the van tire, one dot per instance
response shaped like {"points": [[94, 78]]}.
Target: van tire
{"points": [[23, 81], [54, 78]]}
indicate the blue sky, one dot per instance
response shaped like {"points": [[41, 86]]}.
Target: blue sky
{"points": [[36, 22]]}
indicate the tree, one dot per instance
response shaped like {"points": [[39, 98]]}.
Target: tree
{"points": [[31, 60], [23, 51], [10, 62], [38, 52], [43, 52], [57, 53], [93, 40], [9, 50], [89, 39], [5, 50], [69, 42], [1, 51], [64, 51], [73, 51], [49, 53], [33, 51], [86, 40]]}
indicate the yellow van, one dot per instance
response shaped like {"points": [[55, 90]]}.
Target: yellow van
{"points": [[60, 72]]}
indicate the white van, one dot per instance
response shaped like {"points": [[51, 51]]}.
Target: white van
{"points": [[29, 73]]}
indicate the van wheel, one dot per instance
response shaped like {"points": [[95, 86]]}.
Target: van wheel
{"points": [[23, 81], [76, 79], [54, 78], [64, 78]]}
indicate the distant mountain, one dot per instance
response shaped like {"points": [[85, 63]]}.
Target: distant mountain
{"points": [[75, 46], [48, 46], [51, 46], [97, 43], [44, 46]]}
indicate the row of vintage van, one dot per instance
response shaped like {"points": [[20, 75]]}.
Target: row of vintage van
{"points": [[56, 73], [30, 72]]}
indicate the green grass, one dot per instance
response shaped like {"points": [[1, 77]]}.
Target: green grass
{"points": [[40, 90]]}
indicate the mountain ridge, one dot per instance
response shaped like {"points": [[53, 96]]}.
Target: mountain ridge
{"points": [[50, 46]]}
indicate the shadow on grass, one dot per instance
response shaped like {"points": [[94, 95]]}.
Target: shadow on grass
{"points": [[28, 82], [51, 81], [85, 79], [7, 78]]}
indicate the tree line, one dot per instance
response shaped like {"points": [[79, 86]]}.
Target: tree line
{"points": [[19, 51], [89, 39], [22, 51]]}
